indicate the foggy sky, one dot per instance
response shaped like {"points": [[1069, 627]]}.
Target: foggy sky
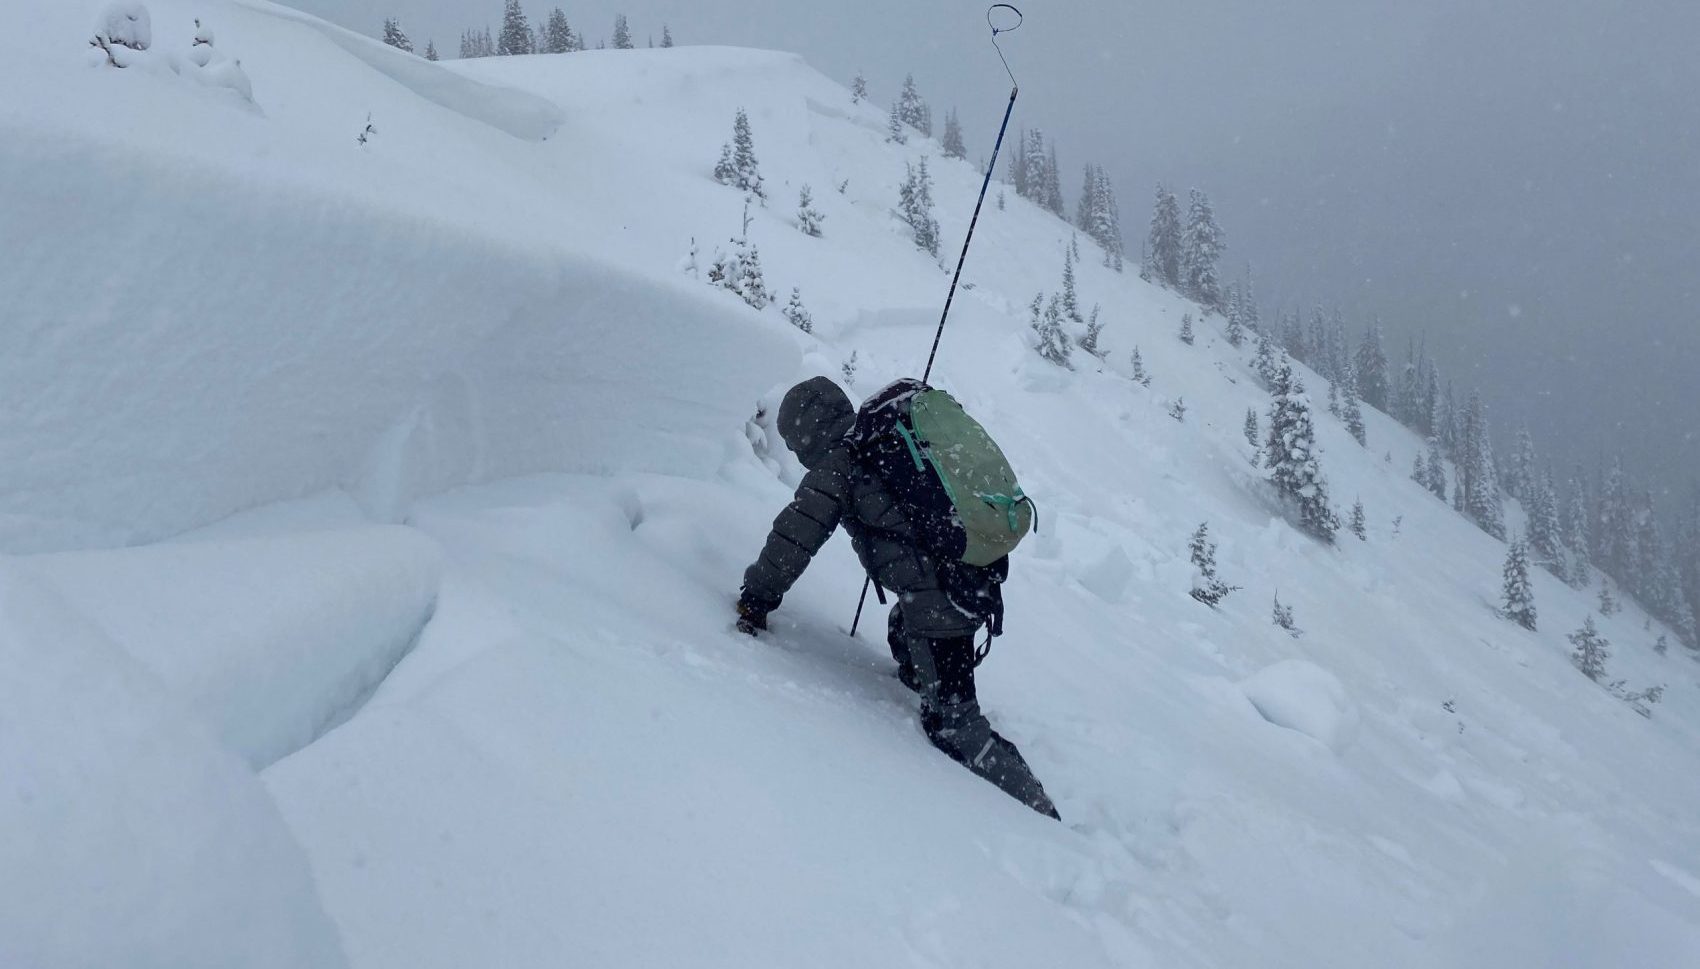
{"points": [[1518, 179]]}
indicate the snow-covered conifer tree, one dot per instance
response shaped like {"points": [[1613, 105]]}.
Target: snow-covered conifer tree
{"points": [[395, 36], [1251, 428], [1546, 533], [858, 88], [1291, 454], [1576, 547], [1177, 410], [912, 110], [1359, 526], [431, 51], [1070, 299], [1186, 333], [1350, 412], [1419, 470], [1283, 617], [916, 204], [1614, 524], [1201, 250], [516, 31], [1608, 602], [1053, 199], [1094, 329], [1139, 374], [1334, 397], [952, 142], [557, 33], [896, 131], [1520, 479], [1519, 598], [809, 218], [1236, 323], [1018, 173], [738, 166], [1477, 471], [666, 36], [1436, 469], [1047, 319], [1266, 364], [796, 314], [622, 33], [1591, 650], [1207, 587], [1371, 360]]}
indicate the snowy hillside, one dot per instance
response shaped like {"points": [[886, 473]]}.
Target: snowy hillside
{"points": [[374, 510]]}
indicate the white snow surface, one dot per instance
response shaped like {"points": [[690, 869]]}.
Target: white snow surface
{"points": [[458, 377], [1302, 696], [131, 837], [270, 640]]}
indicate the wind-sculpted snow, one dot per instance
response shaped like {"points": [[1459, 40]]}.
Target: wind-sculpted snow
{"points": [[517, 113], [271, 641], [131, 836]]}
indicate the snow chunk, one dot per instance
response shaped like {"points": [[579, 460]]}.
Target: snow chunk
{"points": [[1302, 696], [272, 641], [1109, 576], [132, 838]]}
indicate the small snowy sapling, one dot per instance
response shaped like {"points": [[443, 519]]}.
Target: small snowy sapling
{"points": [[1186, 329], [1251, 431], [1094, 329], [1283, 617], [1359, 526], [1177, 410], [1206, 586], [1140, 376], [849, 369], [1592, 650], [796, 314], [809, 218]]}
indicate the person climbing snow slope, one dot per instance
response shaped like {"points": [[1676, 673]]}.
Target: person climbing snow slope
{"points": [[941, 603]]}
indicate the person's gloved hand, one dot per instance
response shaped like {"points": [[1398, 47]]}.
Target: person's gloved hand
{"points": [[751, 617]]}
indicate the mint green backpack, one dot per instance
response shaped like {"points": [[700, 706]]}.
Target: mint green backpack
{"points": [[946, 471]]}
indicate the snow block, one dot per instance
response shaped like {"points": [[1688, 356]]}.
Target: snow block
{"points": [[1302, 696], [271, 641], [131, 837]]}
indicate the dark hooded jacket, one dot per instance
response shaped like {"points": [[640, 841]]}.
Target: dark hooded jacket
{"points": [[940, 599]]}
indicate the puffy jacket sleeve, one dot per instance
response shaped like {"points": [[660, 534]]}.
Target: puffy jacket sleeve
{"points": [[798, 533]]}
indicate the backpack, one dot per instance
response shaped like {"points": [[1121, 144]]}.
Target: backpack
{"points": [[946, 472]]}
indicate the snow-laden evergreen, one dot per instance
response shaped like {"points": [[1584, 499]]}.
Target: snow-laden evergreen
{"points": [[915, 204], [1290, 453], [1518, 596]]}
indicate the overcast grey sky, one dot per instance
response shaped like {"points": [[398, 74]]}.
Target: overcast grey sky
{"points": [[1519, 178]]}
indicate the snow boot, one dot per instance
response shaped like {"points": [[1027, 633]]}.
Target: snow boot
{"points": [[966, 736]]}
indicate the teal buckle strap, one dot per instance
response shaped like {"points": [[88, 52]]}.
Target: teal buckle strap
{"points": [[1009, 505], [914, 452]]}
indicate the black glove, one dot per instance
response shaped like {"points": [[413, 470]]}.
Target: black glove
{"points": [[751, 617]]}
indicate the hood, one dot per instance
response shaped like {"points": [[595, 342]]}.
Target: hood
{"points": [[815, 415]]}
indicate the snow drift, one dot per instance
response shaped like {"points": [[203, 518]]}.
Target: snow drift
{"points": [[133, 838], [271, 641]]}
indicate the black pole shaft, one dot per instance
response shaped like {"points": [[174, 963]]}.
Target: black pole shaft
{"points": [[866, 581], [962, 259]]}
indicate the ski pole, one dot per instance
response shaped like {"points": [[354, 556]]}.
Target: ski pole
{"points": [[985, 184], [962, 259]]}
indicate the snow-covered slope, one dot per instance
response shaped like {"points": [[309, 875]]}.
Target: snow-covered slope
{"points": [[216, 306]]}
